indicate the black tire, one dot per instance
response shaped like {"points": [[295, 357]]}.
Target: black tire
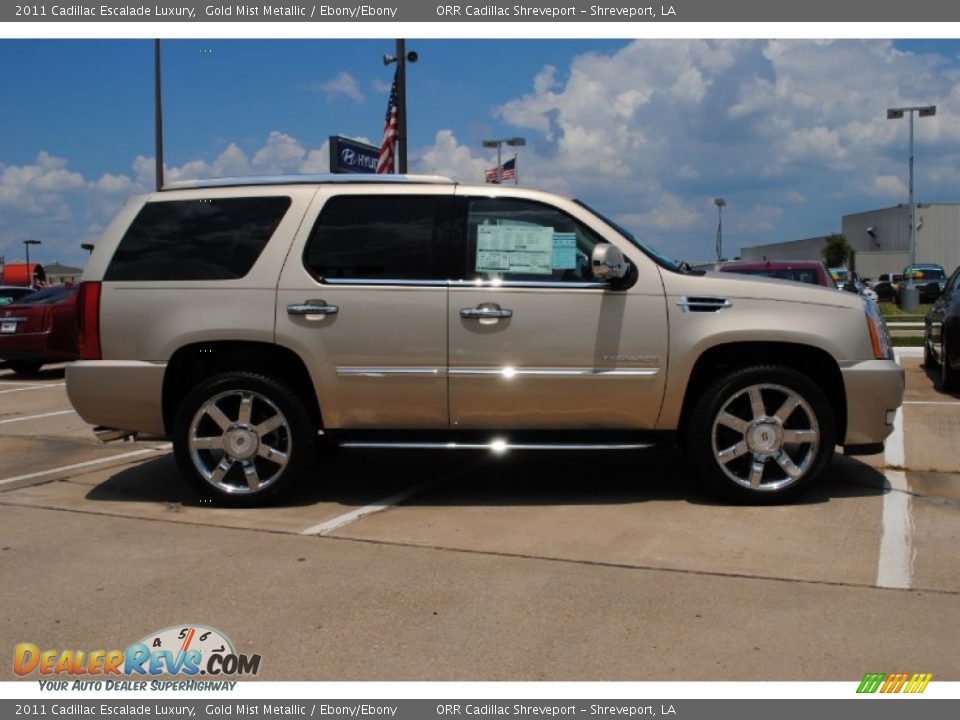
{"points": [[928, 360], [949, 380], [263, 449], [760, 458], [25, 367]]}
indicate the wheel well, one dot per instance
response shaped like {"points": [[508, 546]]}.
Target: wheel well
{"points": [[814, 363], [192, 364]]}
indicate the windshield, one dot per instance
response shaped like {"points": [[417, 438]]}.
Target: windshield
{"points": [[655, 255], [924, 273]]}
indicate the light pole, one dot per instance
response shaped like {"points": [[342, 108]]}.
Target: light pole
{"points": [[896, 114], [401, 59], [158, 115], [26, 245], [498, 144], [720, 203]]}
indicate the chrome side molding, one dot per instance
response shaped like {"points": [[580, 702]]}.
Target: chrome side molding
{"points": [[496, 446]]}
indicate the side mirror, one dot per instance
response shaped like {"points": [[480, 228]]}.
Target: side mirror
{"points": [[608, 263]]}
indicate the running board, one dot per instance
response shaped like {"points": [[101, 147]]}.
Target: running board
{"points": [[494, 446]]}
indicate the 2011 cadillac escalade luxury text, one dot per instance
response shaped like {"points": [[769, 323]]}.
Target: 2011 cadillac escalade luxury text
{"points": [[246, 318]]}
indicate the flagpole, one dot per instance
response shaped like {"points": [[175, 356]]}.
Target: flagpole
{"points": [[401, 149], [516, 173]]}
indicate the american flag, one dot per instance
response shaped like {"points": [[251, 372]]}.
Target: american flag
{"points": [[385, 160], [507, 172]]}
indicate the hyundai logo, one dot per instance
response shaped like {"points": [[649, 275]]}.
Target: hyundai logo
{"points": [[348, 156]]}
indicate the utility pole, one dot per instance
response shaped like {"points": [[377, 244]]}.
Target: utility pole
{"points": [[158, 112]]}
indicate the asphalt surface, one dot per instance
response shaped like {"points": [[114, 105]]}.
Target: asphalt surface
{"points": [[413, 566]]}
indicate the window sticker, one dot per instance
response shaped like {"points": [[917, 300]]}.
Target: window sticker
{"points": [[564, 251], [514, 249]]}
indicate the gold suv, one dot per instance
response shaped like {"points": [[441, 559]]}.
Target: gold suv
{"points": [[251, 318]]}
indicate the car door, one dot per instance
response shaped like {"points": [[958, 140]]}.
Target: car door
{"points": [[944, 305], [363, 300], [535, 341]]}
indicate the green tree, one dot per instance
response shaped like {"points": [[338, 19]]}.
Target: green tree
{"points": [[836, 250]]}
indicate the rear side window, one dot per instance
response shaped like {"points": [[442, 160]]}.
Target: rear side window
{"points": [[210, 239], [379, 237]]}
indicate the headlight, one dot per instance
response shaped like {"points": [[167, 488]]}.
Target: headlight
{"points": [[878, 331]]}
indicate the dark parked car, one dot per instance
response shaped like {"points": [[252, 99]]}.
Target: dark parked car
{"points": [[887, 286], [928, 279], [941, 337], [812, 272], [39, 328], [9, 294]]}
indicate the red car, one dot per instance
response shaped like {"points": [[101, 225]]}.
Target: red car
{"points": [[805, 271], [39, 328]]}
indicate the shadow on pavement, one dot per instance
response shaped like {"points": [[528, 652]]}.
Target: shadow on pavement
{"points": [[48, 372], [356, 478]]}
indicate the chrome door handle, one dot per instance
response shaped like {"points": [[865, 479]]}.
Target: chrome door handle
{"points": [[485, 312], [311, 308]]}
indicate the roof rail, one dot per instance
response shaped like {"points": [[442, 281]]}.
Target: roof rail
{"points": [[307, 179]]}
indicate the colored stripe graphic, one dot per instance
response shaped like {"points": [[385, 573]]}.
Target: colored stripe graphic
{"points": [[894, 682]]}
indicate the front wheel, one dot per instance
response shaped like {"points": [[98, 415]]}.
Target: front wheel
{"points": [[762, 434], [243, 438]]}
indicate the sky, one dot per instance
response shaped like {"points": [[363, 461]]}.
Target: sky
{"points": [[792, 134]]}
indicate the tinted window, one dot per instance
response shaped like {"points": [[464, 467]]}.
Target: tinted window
{"points": [[522, 240], [11, 295], [378, 237], [47, 296], [215, 239]]}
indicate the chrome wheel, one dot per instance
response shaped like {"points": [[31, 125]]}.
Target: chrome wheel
{"points": [[239, 441], [765, 437]]}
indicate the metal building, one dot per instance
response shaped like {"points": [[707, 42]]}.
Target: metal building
{"points": [[880, 240]]}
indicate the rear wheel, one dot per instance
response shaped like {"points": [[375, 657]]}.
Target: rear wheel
{"points": [[243, 438], [761, 435], [24, 367]]}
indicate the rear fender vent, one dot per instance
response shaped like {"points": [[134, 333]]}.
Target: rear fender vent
{"points": [[703, 304]]}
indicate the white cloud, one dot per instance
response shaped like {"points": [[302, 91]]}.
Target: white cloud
{"points": [[448, 158], [343, 84]]}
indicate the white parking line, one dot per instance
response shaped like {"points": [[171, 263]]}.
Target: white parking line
{"points": [[88, 463], [931, 402], [32, 387], [329, 526], [895, 559], [895, 563], [36, 417]]}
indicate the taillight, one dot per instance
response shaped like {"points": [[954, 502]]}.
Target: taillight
{"points": [[88, 321]]}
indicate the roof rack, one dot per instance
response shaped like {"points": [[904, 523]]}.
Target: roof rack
{"points": [[345, 178]]}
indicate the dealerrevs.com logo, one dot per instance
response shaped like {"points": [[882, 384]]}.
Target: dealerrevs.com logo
{"points": [[179, 650], [894, 682]]}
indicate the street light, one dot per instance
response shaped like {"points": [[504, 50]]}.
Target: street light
{"points": [[720, 203], [26, 245], [512, 142], [401, 59], [897, 114]]}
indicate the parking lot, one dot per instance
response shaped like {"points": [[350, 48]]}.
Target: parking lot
{"points": [[570, 566]]}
